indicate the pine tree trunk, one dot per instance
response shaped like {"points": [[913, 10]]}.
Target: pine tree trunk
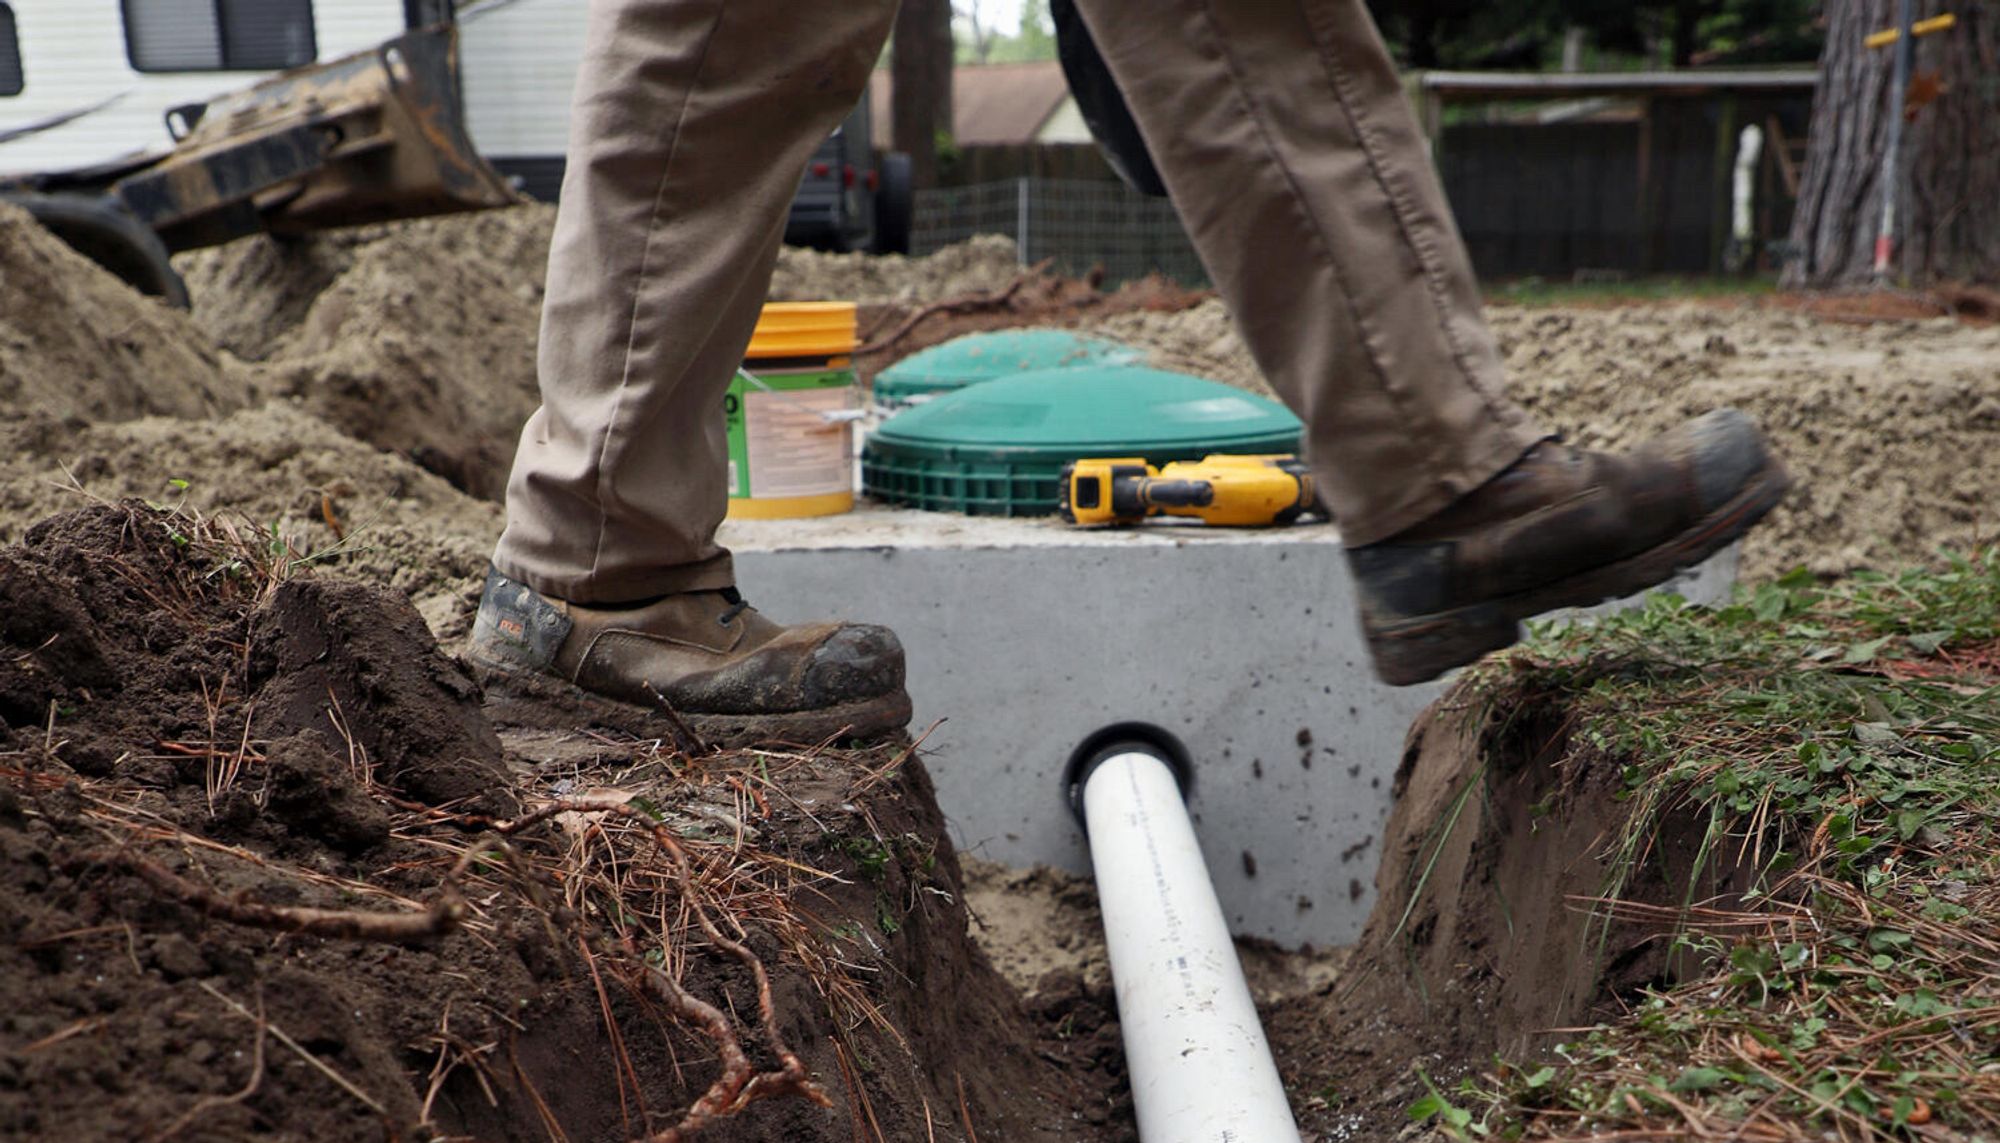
{"points": [[1687, 26], [920, 67], [1948, 207]]}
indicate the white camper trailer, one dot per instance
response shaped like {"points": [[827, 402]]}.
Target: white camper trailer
{"points": [[85, 83]]}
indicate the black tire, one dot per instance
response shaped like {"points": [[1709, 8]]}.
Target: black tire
{"points": [[103, 231], [895, 205]]}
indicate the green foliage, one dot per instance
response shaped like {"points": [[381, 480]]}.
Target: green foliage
{"points": [[1527, 34], [1455, 1121], [1843, 743], [871, 855], [978, 44], [886, 918]]}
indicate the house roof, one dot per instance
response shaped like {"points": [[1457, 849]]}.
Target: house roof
{"points": [[991, 103]]}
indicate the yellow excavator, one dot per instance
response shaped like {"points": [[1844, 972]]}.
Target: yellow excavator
{"points": [[369, 137]]}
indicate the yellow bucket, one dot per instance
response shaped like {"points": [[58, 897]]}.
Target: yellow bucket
{"points": [[790, 414]]}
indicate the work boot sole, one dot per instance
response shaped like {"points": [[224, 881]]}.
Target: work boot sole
{"points": [[1420, 648], [515, 697]]}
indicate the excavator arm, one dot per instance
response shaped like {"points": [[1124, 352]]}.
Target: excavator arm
{"points": [[369, 137]]}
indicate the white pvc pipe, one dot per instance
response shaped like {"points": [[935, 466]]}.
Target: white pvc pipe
{"points": [[1201, 1070]]}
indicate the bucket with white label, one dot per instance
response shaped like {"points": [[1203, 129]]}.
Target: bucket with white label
{"points": [[790, 413]]}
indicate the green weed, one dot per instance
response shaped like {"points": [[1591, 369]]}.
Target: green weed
{"points": [[1534, 291], [1842, 742]]}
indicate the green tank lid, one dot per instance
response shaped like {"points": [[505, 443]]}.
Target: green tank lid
{"points": [[997, 449], [978, 357]]}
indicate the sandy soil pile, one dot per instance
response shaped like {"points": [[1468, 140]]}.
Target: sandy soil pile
{"points": [[252, 295], [983, 265], [1885, 425], [417, 338], [75, 342], [1201, 340], [348, 506], [420, 337], [1882, 423]]}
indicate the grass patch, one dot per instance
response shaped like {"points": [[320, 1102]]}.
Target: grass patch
{"points": [[1535, 291], [1844, 744]]}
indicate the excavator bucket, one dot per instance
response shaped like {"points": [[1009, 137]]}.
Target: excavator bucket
{"points": [[373, 136]]}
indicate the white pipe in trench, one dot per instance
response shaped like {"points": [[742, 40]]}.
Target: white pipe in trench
{"points": [[1201, 1070]]}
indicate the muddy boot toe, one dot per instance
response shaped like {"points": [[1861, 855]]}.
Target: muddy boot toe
{"points": [[1563, 527]]}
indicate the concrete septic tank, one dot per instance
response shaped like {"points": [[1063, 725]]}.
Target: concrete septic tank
{"points": [[1026, 637]]}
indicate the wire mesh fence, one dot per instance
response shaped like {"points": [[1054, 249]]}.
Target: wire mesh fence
{"points": [[1077, 223]]}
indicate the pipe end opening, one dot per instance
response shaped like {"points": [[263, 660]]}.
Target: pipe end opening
{"points": [[1124, 738]]}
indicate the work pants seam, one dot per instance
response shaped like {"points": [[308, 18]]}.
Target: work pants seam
{"points": [[1300, 205], [639, 288], [1405, 211]]}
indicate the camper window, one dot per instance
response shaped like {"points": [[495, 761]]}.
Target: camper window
{"points": [[219, 35], [10, 53]]}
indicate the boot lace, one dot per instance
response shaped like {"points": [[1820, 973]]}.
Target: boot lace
{"points": [[737, 606]]}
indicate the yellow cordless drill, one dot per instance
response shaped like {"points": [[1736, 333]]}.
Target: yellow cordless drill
{"points": [[1229, 490]]}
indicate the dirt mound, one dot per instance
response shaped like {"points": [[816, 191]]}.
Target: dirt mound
{"points": [[129, 631], [265, 873], [1201, 340], [420, 337], [982, 265], [345, 505], [77, 342], [1479, 944], [1881, 423], [1879, 420], [253, 296], [417, 337]]}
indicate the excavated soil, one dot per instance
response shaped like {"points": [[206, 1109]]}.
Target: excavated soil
{"points": [[281, 728], [419, 338], [75, 342], [1882, 419], [185, 740], [1480, 947], [337, 501], [1884, 423]]}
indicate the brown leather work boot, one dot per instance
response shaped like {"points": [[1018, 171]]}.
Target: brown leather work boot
{"points": [[1561, 528], [732, 674]]}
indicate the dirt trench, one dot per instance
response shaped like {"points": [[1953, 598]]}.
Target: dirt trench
{"points": [[184, 738], [1488, 940], [190, 746], [187, 742]]}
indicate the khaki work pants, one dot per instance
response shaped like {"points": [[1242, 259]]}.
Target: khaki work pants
{"points": [[1282, 133]]}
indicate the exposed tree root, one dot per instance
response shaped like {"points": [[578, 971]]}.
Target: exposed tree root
{"points": [[998, 299], [336, 924], [739, 1084]]}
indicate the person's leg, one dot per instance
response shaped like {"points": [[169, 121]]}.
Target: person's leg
{"points": [[692, 123], [1291, 153], [1283, 135]]}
